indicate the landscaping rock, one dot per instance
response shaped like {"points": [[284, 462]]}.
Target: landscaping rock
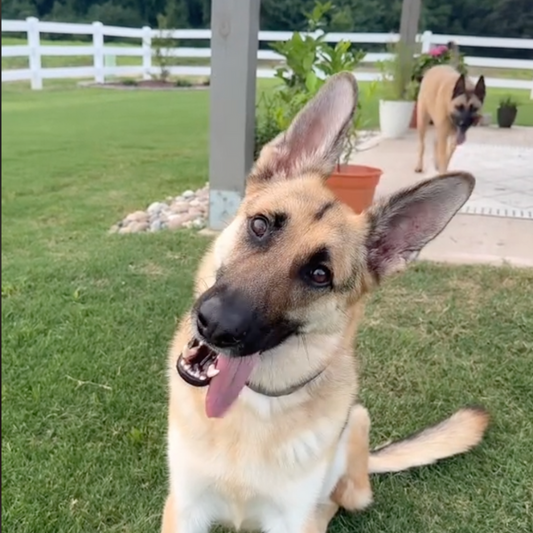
{"points": [[187, 210]]}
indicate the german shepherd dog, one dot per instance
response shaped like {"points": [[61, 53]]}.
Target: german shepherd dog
{"points": [[453, 103], [265, 432]]}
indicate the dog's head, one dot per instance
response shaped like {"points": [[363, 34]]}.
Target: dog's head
{"points": [[466, 104], [294, 262]]}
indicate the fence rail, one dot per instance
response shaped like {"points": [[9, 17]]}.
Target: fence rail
{"points": [[36, 73]]}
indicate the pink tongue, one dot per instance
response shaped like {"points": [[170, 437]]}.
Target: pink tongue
{"points": [[461, 137], [225, 387]]}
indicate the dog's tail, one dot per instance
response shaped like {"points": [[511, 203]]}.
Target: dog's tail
{"points": [[454, 435]]}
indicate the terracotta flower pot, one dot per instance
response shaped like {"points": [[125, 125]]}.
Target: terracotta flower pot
{"points": [[355, 185]]}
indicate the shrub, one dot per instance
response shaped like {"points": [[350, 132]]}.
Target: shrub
{"points": [[308, 62], [440, 55], [509, 101]]}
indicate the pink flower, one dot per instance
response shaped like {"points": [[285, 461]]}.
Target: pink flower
{"points": [[438, 50]]}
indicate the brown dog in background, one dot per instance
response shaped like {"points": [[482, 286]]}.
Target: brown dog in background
{"points": [[453, 103]]}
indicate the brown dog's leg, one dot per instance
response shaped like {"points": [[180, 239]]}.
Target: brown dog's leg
{"points": [[353, 491], [451, 149], [442, 148], [422, 122]]}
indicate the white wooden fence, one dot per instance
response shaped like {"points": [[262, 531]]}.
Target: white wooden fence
{"points": [[98, 50]]}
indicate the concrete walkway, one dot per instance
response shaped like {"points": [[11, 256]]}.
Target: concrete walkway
{"points": [[496, 224]]}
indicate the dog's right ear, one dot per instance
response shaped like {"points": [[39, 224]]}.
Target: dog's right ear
{"points": [[460, 87], [315, 139]]}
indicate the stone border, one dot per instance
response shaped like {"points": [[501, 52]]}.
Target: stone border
{"points": [[188, 210]]}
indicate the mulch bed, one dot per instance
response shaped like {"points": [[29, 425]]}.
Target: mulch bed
{"points": [[151, 85]]}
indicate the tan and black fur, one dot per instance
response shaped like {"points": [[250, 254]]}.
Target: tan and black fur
{"points": [[285, 283], [453, 103]]}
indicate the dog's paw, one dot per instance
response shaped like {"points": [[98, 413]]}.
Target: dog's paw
{"points": [[352, 496], [419, 169]]}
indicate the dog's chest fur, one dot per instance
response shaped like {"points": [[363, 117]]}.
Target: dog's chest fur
{"points": [[255, 473], [267, 459]]}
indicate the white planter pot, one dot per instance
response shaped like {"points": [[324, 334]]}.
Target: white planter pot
{"points": [[395, 117]]}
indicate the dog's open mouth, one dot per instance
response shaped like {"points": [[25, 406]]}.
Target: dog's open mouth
{"points": [[226, 376], [197, 364]]}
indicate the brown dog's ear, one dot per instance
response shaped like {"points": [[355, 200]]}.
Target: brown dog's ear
{"points": [[480, 90], [315, 139], [460, 87], [402, 225]]}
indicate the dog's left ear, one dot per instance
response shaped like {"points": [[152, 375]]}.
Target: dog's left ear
{"points": [[402, 225], [460, 87], [480, 90], [315, 139]]}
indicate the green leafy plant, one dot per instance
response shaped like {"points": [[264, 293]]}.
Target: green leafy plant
{"points": [[396, 79], [509, 101], [129, 82], [267, 126], [308, 61], [183, 82], [161, 45]]}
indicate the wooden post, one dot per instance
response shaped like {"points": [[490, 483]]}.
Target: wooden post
{"points": [[234, 44], [408, 32]]}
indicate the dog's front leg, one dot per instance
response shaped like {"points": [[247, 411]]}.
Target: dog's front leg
{"points": [[451, 150], [317, 522], [175, 521], [442, 148], [323, 515], [354, 492], [422, 119]]}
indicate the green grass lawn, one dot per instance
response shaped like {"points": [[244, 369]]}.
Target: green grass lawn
{"points": [[87, 318]]}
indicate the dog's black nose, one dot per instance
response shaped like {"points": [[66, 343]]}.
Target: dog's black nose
{"points": [[222, 325]]}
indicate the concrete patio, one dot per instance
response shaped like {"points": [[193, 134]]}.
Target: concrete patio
{"points": [[496, 225]]}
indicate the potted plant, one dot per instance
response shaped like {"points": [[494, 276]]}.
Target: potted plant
{"points": [[506, 112], [308, 62], [439, 55], [397, 102]]}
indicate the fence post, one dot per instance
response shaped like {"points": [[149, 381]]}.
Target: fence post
{"points": [[34, 43], [426, 42], [147, 52], [98, 44]]}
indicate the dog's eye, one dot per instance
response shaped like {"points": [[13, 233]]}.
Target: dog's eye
{"points": [[460, 107], [319, 276], [259, 226]]}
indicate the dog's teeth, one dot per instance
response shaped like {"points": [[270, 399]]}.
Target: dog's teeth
{"points": [[190, 353], [203, 377], [212, 371], [186, 366]]}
